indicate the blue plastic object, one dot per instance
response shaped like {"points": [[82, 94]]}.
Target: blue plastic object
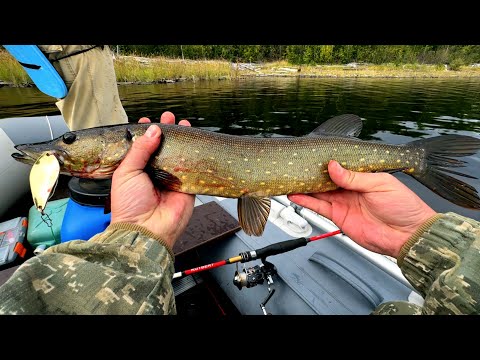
{"points": [[81, 222], [40, 70]]}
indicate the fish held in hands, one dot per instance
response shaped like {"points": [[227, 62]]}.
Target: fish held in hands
{"points": [[196, 161]]}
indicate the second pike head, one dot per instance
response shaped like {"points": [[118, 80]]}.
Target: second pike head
{"points": [[91, 153]]}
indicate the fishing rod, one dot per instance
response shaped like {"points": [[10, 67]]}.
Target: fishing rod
{"points": [[255, 275], [270, 250]]}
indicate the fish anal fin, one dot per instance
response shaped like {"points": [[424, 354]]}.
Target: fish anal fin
{"points": [[253, 213], [164, 179], [341, 125]]}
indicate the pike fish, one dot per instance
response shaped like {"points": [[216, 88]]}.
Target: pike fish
{"points": [[196, 161]]}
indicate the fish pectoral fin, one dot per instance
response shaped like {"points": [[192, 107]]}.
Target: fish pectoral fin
{"points": [[341, 125], [163, 178], [253, 214]]}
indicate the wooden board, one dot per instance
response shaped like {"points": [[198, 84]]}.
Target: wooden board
{"points": [[209, 222]]}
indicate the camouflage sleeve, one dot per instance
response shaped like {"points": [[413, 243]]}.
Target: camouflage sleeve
{"points": [[441, 261], [123, 270]]}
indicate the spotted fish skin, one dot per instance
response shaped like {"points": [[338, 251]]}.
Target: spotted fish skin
{"points": [[233, 166], [196, 161]]}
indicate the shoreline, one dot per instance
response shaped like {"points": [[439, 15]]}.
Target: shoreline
{"points": [[135, 70], [244, 77]]}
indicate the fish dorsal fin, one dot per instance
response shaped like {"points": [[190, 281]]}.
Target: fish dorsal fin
{"points": [[341, 125], [253, 214]]}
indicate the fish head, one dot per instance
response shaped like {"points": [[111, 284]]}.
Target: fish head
{"points": [[89, 153]]}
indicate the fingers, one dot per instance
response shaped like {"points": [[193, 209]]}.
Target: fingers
{"points": [[144, 120], [141, 150], [351, 180], [184, 123], [167, 118], [321, 207]]}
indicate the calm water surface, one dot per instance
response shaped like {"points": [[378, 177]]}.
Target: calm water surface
{"points": [[394, 110]]}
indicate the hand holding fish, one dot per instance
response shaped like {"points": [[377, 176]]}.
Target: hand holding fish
{"points": [[377, 211], [136, 200]]}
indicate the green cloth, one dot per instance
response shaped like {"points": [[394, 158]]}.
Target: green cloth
{"points": [[443, 264]]}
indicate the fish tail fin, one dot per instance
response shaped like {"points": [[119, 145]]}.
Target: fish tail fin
{"points": [[440, 153]]}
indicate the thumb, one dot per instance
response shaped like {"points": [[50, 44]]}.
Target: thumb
{"points": [[351, 180], [141, 150]]}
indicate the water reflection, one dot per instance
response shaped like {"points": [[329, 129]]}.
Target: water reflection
{"points": [[293, 107]]}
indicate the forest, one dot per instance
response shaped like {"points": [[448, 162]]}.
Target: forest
{"points": [[455, 55]]}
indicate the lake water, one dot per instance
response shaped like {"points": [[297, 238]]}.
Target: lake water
{"points": [[394, 110]]}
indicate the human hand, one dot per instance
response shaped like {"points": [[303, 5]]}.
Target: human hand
{"points": [[377, 211], [136, 200]]}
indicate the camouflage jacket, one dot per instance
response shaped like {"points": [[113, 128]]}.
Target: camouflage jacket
{"points": [[123, 270], [126, 270], [442, 261]]}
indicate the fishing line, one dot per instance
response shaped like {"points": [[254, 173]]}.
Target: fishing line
{"points": [[49, 222]]}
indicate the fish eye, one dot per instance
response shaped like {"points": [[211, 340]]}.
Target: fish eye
{"points": [[69, 137]]}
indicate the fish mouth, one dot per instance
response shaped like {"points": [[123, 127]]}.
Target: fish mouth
{"points": [[24, 157], [29, 154]]}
